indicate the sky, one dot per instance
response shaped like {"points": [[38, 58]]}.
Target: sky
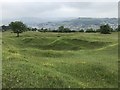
{"points": [[59, 0], [10, 9]]}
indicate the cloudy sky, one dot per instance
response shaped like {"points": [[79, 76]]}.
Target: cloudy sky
{"points": [[18, 9]]}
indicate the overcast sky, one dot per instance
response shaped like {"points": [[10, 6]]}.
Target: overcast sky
{"points": [[59, 9]]}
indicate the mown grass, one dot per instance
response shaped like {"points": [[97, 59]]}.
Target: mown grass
{"points": [[60, 60]]}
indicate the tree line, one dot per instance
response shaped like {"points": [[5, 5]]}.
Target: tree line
{"points": [[19, 27]]}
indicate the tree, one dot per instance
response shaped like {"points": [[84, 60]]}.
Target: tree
{"points": [[29, 29], [34, 29], [4, 28], [45, 30], [18, 27], [61, 29], [118, 28], [97, 30], [66, 30], [82, 30], [90, 31], [105, 29], [42, 30]]}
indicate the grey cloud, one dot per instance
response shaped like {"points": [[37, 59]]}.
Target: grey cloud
{"points": [[56, 9]]}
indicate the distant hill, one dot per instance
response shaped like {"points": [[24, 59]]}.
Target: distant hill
{"points": [[79, 23], [72, 23], [33, 21]]}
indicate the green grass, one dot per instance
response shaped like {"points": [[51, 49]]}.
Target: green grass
{"points": [[60, 60]]}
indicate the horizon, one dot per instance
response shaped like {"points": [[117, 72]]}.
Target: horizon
{"points": [[57, 19]]}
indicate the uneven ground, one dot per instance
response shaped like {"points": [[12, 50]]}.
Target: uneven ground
{"points": [[59, 60]]}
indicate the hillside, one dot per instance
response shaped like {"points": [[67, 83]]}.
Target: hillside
{"points": [[72, 60], [78, 23]]}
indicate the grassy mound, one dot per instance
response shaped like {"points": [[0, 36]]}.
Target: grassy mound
{"points": [[60, 43]]}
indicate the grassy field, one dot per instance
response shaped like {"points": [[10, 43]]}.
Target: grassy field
{"points": [[60, 60]]}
